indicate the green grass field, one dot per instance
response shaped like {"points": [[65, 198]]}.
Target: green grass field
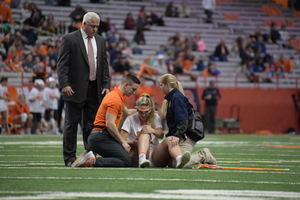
{"points": [[32, 167]]}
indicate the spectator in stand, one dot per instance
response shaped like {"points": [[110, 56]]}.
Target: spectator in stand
{"points": [[129, 22], [180, 48], [221, 51], [36, 104], [288, 64], [15, 3], [21, 114], [260, 43], [280, 73], [184, 10], [259, 66], [170, 46], [211, 70], [284, 35], [36, 63], [15, 65], [122, 65], [73, 27], [210, 95], [3, 105], [161, 50], [51, 24], [29, 34], [18, 38], [43, 29], [3, 54], [143, 23], [146, 68], [77, 14], [61, 28], [156, 19], [57, 45], [199, 64], [209, 7], [6, 16], [35, 19], [190, 42], [187, 61], [160, 64], [19, 51], [37, 50], [171, 11], [200, 43], [139, 37], [51, 2], [7, 40], [52, 54], [249, 46], [111, 27], [244, 54], [126, 50], [177, 64], [40, 72], [53, 66], [25, 11], [122, 38], [28, 63], [115, 52], [103, 28], [257, 33], [143, 88], [274, 34]]}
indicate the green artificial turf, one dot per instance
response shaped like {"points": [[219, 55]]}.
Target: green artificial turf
{"points": [[32, 167]]}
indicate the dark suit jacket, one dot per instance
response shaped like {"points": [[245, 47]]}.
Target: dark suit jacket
{"points": [[73, 66]]}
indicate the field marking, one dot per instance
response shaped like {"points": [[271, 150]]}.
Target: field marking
{"points": [[150, 179], [283, 146], [157, 169], [158, 194]]}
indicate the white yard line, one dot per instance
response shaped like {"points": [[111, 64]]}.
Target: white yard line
{"points": [[158, 194], [151, 179]]}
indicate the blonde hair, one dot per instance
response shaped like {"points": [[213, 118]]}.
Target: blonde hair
{"points": [[172, 81], [146, 100]]}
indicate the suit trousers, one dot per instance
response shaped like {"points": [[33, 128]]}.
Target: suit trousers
{"points": [[112, 152], [83, 113], [210, 118]]}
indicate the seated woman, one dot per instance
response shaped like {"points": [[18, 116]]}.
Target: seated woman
{"points": [[143, 129], [22, 115]]}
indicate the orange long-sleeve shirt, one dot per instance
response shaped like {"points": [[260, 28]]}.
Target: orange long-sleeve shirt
{"points": [[19, 109], [6, 14]]}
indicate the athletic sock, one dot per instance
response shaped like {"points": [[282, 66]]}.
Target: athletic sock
{"points": [[142, 156], [178, 158]]}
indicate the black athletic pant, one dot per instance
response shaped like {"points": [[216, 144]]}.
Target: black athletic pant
{"points": [[112, 152]]}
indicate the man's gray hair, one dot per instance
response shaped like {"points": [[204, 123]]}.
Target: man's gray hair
{"points": [[90, 15]]}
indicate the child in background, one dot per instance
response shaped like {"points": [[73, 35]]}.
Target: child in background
{"points": [[21, 113], [36, 104], [51, 96], [3, 105]]}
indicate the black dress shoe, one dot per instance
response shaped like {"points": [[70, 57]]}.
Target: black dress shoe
{"points": [[68, 164]]}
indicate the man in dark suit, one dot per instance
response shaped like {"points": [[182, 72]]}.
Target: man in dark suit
{"points": [[83, 75]]}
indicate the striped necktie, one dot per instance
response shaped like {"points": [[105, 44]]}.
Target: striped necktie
{"points": [[91, 60]]}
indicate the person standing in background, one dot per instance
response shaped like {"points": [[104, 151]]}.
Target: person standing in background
{"points": [[210, 95], [83, 76], [209, 6]]}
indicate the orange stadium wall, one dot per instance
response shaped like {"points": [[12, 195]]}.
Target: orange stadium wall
{"points": [[260, 109]]}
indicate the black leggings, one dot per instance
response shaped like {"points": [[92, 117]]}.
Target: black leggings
{"points": [[112, 152]]}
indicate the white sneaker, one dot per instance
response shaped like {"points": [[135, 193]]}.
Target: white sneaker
{"points": [[79, 158], [209, 159], [144, 163], [21, 132], [86, 160], [185, 158]]}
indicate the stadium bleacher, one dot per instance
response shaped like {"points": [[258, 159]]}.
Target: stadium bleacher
{"points": [[250, 13]]}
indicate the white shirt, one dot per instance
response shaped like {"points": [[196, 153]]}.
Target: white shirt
{"points": [[209, 4], [3, 104], [52, 103], [94, 44], [133, 126], [36, 106]]}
